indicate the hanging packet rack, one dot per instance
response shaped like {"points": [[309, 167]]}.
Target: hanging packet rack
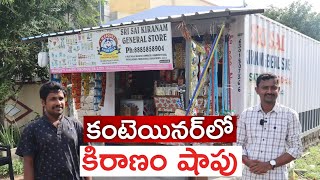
{"points": [[203, 74]]}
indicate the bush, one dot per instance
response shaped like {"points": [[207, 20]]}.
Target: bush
{"points": [[17, 168], [10, 136]]}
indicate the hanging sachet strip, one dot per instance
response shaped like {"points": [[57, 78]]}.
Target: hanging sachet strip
{"points": [[56, 78], [97, 91], [76, 89], [103, 90], [85, 82]]}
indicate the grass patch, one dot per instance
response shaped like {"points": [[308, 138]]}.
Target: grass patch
{"points": [[310, 163]]}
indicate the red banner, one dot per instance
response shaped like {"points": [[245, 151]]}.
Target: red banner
{"points": [[160, 129]]}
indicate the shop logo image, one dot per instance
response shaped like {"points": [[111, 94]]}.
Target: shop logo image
{"points": [[108, 47]]}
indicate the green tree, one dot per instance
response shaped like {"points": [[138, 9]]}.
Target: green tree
{"points": [[298, 16], [23, 18]]}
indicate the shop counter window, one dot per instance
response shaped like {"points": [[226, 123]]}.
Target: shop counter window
{"points": [[167, 105], [137, 107]]}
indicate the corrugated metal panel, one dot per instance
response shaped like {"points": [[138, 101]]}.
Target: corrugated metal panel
{"points": [[267, 46], [162, 13], [287, 53]]}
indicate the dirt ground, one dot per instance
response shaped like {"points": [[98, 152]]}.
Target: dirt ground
{"points": [[16, 177]]}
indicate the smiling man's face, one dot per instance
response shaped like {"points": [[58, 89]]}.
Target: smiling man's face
{"points": [[54, 104], [268, 90]]}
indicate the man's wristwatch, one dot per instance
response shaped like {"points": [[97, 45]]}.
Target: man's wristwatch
{"points": [[273, 163]]}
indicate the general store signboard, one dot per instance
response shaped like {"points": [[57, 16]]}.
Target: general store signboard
{"points": [[133, 48]]}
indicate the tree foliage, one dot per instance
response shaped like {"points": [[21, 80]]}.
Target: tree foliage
{"points": [[298, 16], [23, 18]]}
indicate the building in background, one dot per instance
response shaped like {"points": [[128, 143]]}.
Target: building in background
{"points": [[115, 9], [26, 106]]}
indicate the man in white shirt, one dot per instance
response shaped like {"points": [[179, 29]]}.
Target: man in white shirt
{"points": [[269, 134]]}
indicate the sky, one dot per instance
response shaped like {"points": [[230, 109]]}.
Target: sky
{"points": [[266, 3]]}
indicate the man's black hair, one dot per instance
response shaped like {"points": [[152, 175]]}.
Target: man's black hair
{"points": [[266, 76], [51, 87]]}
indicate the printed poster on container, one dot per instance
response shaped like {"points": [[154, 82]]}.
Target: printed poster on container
{"points": [[133, 48], [267, 51]]}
